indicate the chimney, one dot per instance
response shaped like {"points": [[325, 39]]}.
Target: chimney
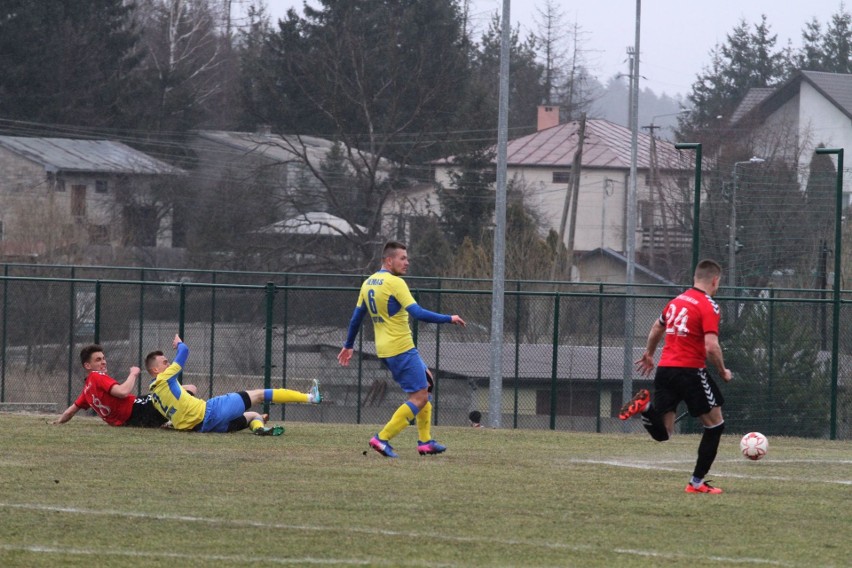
{"points": [[548, 116]]}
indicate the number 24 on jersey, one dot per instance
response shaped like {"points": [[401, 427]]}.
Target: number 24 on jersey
{"points": [[676, 322]]}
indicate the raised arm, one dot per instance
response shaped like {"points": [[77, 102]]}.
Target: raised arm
{"points": [[422, 314], [126, 388]]}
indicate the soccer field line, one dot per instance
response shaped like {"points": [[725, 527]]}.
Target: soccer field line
{"points": [[237, 559], [654, 467], [358, 530]]}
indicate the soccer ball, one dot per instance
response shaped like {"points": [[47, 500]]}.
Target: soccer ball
{"points": [[754, 445]]}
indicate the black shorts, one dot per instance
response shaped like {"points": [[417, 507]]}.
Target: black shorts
{"points": [[144, 414], [693, 386]]}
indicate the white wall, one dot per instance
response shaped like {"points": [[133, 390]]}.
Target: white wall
{"points": [[821, 122]]}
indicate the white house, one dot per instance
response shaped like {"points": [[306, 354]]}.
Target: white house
{"points": [[810, 109], [541, 164]]}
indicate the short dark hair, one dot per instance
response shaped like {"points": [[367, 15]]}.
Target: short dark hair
{"points": [[707, 269], [149, 359], [89, 350], [391, 247], [475, 416]]}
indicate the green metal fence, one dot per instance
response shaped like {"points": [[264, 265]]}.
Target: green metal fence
{"points": [[564, 356]]}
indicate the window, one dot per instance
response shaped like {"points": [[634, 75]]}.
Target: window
{"points": [[101, 186], [562, 176], [1, 230], [647, 213]]}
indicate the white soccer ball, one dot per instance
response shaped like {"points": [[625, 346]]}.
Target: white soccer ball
{"points": [[754, 445]]}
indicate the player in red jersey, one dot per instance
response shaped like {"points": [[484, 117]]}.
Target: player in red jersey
{"points": [[114, 402], [690, 324]]}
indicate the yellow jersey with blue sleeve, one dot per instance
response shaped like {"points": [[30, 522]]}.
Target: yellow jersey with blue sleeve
{"points": [[173, 401], [386, 298]]}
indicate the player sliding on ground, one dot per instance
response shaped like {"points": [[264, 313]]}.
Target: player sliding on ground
{"points": [[690, 324], [114, 402], [389, 302], [225, 413]]}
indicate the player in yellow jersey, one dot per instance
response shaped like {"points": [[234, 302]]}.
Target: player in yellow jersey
{"points": [[386, 298], [225, 413]]}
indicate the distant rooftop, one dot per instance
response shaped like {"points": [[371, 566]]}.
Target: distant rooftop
{"points": [[275, 147], [607, 145], [95, 156]]}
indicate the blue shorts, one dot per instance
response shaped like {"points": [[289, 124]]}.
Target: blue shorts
{"points": [[409, 370], [221, 410]]}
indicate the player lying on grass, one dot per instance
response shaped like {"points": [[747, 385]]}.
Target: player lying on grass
{"points": [[225, 413], [114, 402]]}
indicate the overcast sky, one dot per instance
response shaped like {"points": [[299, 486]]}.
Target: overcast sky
{"points": [[676, 35]]}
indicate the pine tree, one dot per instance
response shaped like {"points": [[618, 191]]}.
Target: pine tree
{"points": [[68, 61]]}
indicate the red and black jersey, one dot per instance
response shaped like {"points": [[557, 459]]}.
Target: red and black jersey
{"points": [[687, 319], [96, 395]]}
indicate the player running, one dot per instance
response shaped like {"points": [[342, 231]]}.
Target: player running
{"points": [[386, 297], [690, 324]]}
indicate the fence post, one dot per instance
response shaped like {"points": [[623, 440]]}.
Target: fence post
{"points": [[182, 310], [284, 337], [141, 321], [5, 310], [360, 376], [771, 355], [212, 336], [267, 350], [554, 362], [71, 316], [437, 358], [97, 311], [517, 350], [599, 378]]}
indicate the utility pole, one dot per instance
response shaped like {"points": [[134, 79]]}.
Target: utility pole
{"points": [[652, 237], [576, 170], [498, 284], [630, 229], [571, 194]]}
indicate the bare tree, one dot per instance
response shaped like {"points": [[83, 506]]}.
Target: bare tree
{"points": [[185, 52]]}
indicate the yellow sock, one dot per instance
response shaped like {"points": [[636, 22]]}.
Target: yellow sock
{"points": [[255, 424], [424, 423], [282, 396], [400, 419]]}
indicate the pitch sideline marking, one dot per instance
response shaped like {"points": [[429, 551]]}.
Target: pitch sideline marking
{"points": [[178, 556], [360, 530], [641, 465]]}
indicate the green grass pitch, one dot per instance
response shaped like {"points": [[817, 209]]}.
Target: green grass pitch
{"points": [[86, 494]]}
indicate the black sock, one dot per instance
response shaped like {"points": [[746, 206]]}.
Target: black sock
{"points": [[653, 423], [707, 449]]}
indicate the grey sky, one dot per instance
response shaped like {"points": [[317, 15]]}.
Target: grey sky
{"points": [[676, 35]]}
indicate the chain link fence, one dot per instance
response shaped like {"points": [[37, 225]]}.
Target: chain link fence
{"points": [[567, 357]]}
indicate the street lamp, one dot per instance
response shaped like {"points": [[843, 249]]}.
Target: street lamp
{"points": [[732, 230], [653, 126]]}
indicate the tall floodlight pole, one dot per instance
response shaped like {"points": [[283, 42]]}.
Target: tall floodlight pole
{"points": [[630, 245], [495, 384], [838, 243], [696, 201], [732, 226]]}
